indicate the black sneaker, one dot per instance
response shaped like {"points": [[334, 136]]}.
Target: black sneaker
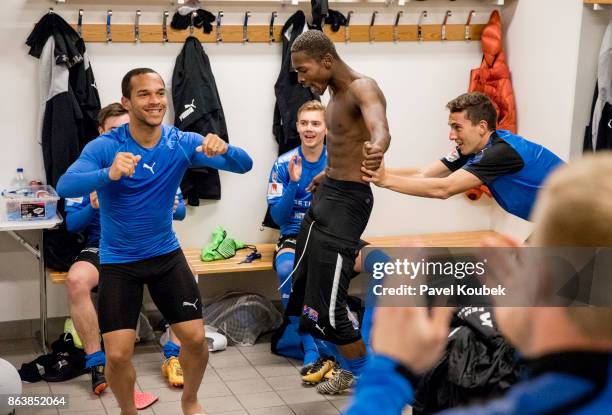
{"points": [[98, 381]]}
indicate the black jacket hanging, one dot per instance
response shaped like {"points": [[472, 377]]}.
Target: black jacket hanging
{"points": [[71, 102], [69, 108], [290, 95], [197, 108], [603, 139]]}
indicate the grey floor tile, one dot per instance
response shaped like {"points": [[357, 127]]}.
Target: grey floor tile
{"points": [[231, 360], [312, 408], [256, 348], [277, 369], [72, 388], [152, 367], [37, 388], [151, 381], [84, 403], [341, 402], [166, 408], [213, 390], [259, 400], [83, 412], [248, 386], [21, 345], [287, 382], [237, 373], [166, 394], [117, 411], [301, 395], [265, 358], [211, 375], [239, 412], [276, 410], [37, 411], [220, 404]]}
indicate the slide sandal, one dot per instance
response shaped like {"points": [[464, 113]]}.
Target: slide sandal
{"points": [[143, 400]]}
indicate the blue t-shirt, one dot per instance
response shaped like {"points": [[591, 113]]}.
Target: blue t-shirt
{"points": [[81, 216], [289, 200], [136, 212]]}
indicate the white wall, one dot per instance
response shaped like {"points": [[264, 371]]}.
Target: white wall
{"points": [[417, 79]]}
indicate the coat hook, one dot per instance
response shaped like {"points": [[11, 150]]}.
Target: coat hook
{"points": [[347, 34], [468, 28], [419, 26], [443, 32], [218, 29], [137, 26], [274, 15], [396, 27], [165, 26], [245, 26], [191, 25], [80, 23], [370, 31], [109, 15]]}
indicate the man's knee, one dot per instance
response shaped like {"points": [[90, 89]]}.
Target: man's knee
{"points": [[81, 279], [119, 357]]}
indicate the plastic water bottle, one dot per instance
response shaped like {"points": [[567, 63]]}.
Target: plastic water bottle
{"points": [[19, 181]]}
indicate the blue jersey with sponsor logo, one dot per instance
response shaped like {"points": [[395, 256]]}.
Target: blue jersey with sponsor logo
{"points": [[289, 200], [136, 212]]}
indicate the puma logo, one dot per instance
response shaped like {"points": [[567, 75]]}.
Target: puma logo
{"points": [[485, 318], [320, 329], [190, 108], [61, 364], [146, 166], [186, 303]]}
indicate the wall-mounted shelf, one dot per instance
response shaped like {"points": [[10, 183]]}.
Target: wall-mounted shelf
{"points": [[599, 4], [124, 33]]}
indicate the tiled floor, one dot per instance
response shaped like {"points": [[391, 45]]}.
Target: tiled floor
{"points": [[239, 380]]}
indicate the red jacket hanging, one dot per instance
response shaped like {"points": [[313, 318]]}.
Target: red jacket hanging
{"points": [[492, 78]]}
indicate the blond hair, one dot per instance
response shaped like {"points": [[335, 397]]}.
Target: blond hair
{"points": [[310, 106], [574, 208]]}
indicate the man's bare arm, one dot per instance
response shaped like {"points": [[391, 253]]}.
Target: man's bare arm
{"points": [[435, 169], [373, 106]]}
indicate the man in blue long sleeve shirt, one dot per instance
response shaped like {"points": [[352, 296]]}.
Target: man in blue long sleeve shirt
{"points": [[569, 350], [289, 200], [82, 214], [132, 168]]}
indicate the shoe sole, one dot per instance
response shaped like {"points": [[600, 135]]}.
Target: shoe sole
{"points": [[175, 384], [100, 388]]}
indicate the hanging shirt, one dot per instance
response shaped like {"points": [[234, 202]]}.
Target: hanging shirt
{"points": [[136, 212], [513, 168], [288, 200]]}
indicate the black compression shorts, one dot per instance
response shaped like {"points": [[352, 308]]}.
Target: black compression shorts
{"points": [[171, 285]]}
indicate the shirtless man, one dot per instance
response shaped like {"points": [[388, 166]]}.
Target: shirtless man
{"points": [[329, 238]]}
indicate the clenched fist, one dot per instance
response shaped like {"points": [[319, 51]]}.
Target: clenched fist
{"points": [[372, 155], [123, 165], [212, 145]]}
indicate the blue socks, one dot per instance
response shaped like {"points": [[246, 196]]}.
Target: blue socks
{"points": [[284, 266], [366, 326], [311, 351], [355, 366], [171, 349], [95, 359]]}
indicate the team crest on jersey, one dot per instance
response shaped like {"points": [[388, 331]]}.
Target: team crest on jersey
{"points": [[74, 200], [275, 189], [453, 155]]}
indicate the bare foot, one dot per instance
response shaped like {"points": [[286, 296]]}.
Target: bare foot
{"points": [[192, 408]]}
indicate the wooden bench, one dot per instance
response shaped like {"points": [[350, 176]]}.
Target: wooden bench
{"points": [[447, 239]]}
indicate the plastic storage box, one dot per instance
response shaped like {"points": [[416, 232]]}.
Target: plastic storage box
{"points": [[30, 203]]}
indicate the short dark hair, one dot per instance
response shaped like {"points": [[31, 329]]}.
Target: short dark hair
{"points": [[478, 107], [315, 44], [112, 110], [126, 82]]}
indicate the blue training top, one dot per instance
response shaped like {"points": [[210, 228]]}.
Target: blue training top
{"points": [[289, 200], [565, 383], [131, 229], [512, 167], [81, 216]]}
